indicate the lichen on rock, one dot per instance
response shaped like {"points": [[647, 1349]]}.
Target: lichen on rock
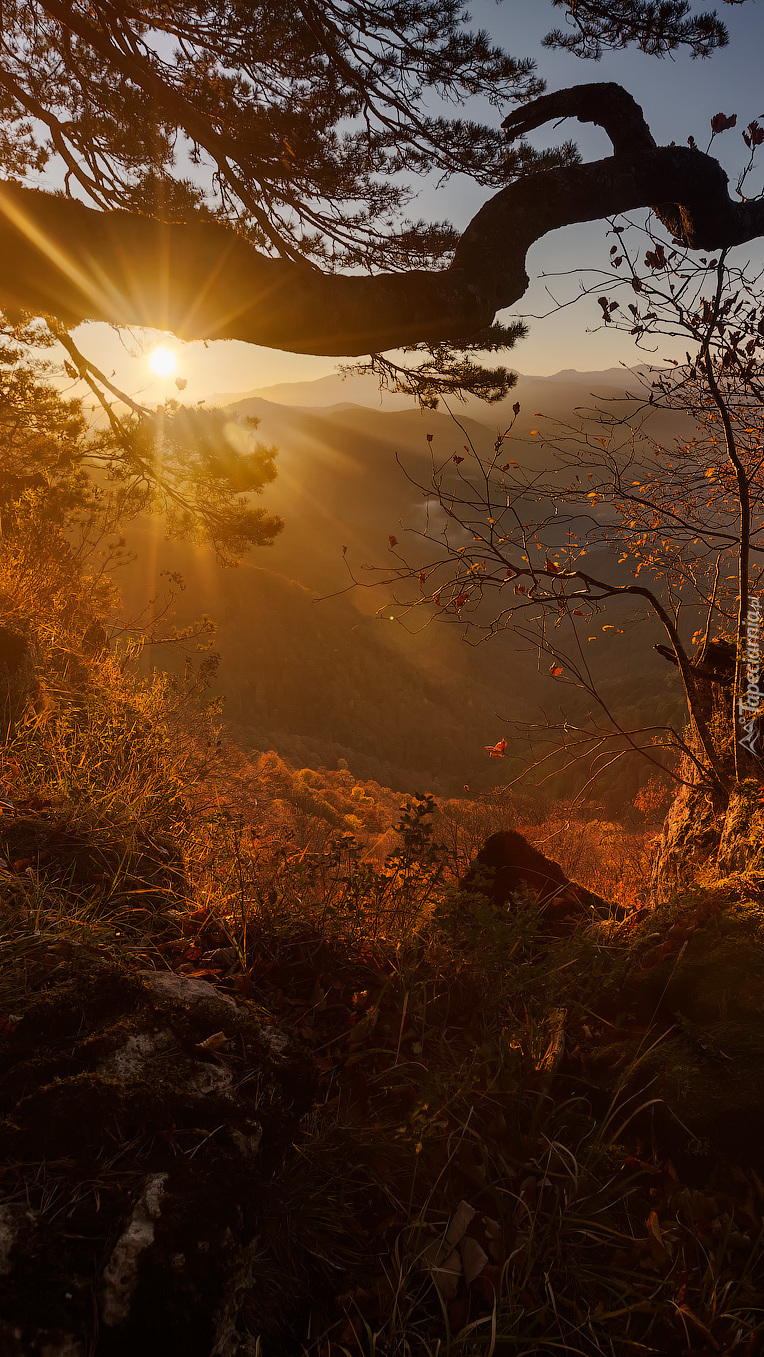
{"points": [[159, 1108]]}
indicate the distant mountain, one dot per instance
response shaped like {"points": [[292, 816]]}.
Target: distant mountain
{"points": [[364, 390]]}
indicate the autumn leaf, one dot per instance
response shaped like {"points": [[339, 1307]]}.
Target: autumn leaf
{"points": [[721, 122], [516, 407], [456, 459], [429, 438], [181, 383], [555, 670], [392, 540], [496, 751], [461, 600], [551, 567]]}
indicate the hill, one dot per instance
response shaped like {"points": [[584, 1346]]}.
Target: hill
{"points": [[310, 668]]}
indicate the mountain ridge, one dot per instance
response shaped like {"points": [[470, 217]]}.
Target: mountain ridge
{"points": [[334, 388]]}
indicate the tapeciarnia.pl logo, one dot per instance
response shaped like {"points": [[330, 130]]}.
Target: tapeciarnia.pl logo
{"points": [[750, 700]]}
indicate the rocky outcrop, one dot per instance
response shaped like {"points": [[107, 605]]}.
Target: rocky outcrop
{"points": [[142, 1115], [708, 832], [508, 866]]}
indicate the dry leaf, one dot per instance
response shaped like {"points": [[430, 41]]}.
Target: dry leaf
{"points": [[216, 1042]]}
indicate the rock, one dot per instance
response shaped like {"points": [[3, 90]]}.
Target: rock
{"points": [[708, 832], [689, 841], [168, 984], [705, 838], [143, 1115], [508, 864]]}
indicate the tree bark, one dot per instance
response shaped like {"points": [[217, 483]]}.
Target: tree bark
{"points": [[201, 280]]}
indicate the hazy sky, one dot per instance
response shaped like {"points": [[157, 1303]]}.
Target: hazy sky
{"points": [[680, 97]]}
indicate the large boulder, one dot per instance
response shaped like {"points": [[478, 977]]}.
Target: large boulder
{"points": [[508, 866], [141, 1115]]}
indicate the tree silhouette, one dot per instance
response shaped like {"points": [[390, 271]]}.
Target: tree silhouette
{"points": [[239, 159]]}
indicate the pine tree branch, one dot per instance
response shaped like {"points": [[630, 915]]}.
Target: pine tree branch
{"points": [[201, 280]]}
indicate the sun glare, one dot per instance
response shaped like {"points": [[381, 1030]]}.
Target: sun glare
{"points": [[162, 361]]}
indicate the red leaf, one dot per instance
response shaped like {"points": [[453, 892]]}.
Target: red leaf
{"points": [[516, 407], [393, 540], [429, 438], [461, 600], [496, 751], [457, 460], [555, 670], [551, 567], [720, 122]]}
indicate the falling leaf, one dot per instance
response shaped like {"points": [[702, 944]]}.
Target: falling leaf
{"points": [[181, 383]]}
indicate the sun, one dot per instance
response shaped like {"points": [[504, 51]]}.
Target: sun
{"points": [[162, 361]]}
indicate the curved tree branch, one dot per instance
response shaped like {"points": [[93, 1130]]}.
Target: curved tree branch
{"points": [[203, 281]]}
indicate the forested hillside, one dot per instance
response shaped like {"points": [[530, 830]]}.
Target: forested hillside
{"points": [[321, 670]]}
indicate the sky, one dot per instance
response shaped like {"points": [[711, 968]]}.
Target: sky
{"points": [[679, 96]]}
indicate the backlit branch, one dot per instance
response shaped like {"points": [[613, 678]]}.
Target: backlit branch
{"points": [[201, 280]]}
